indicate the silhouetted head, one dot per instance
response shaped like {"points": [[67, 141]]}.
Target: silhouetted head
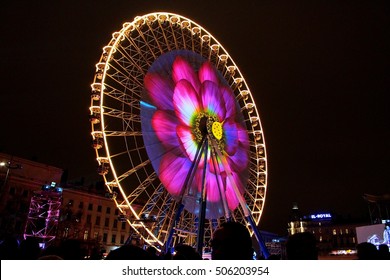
{"points": [[367, 251], [302, 246], [129, 252], [185, 252], [231, 241]]}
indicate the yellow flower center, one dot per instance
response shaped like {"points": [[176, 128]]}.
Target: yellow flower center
{"points": [[217, 131]]}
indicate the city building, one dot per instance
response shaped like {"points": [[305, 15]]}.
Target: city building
{"points": [[19, 179], [91, 218], [335, 236], [85, 213]]}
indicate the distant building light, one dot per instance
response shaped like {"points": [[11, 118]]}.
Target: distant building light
{"points": [[320, 216]]}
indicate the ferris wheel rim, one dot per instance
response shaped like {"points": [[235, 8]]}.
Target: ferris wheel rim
{"points": [[108, 53]]}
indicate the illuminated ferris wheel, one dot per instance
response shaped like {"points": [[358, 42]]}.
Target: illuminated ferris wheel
{"points": [[176, 131]]}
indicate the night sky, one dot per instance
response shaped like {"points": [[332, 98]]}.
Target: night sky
{"points": [[319, 72]]}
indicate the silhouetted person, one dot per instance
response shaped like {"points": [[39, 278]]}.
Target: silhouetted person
{"points": [[302, 246], [9, 248], [231, 241], [129, 252], [71, 249], [185, 252], [152, 251], [367, 251], [383, 252], [29, 249]]}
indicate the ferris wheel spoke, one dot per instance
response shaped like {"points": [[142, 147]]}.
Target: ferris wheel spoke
{"points": [[121, 97], [115, 113], [132, 64], [109, 133], [132, 171], [142, 187], [121, 79]]}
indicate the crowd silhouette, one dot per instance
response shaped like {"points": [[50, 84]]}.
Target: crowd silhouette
{"points": [[231, 241]]}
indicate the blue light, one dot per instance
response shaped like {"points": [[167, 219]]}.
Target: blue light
{"points": [[147, 105]]}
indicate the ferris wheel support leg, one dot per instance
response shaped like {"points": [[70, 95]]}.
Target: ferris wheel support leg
{"points": [[203, 203], [220, 187], [242, 201], [188, 180], [172, 229], [259, 238]]}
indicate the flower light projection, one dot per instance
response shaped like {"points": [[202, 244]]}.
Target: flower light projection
{"points": [[185, 101]]}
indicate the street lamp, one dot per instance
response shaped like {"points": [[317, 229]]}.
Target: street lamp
{"points": [[9, 166]]}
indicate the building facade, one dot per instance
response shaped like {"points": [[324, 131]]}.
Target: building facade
{"points": [[85, 214], [19, 179], [92, 219]]}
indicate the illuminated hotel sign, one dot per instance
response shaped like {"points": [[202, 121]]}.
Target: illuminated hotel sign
{"points": [[320, 216]]}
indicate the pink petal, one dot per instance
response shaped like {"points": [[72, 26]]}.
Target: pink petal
{"points": [[185, 102], [172, 173], [213, 192], [231, 196], [216, 166], [182, 70], [211, 99], [227, 98], [187, 141], [207, 72], [160, 91], [164, 126]]}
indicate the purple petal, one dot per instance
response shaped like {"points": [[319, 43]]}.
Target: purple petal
{"points": [[227, 98], [243, 136], [164, 125], [160, 91], [173, 171], [185, 102], [211, 99], [207, 73], [239, 161], [231, 136], [182, 70]]}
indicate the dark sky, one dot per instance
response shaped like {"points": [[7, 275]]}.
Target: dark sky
{"points": [[319, 71]]}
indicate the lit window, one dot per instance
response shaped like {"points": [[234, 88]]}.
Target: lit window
{"points": [[346, 231], [334, 231], [86, 235], [66, 231], [320, 238]]}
